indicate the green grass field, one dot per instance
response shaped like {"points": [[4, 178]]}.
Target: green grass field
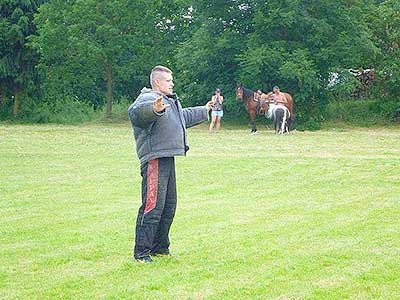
{"points": [[310, 215]]}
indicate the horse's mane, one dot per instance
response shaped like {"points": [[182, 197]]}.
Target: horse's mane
{"points": [[247, 93]]}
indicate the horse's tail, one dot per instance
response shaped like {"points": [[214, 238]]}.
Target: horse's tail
{"points": [[269, 112], [283, 121]]}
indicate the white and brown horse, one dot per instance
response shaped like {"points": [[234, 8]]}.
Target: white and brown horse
{"points": [[254, 107], [281, 116]]}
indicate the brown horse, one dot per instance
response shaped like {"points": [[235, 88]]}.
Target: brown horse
{"points": [[253, 107], [246, 96]]}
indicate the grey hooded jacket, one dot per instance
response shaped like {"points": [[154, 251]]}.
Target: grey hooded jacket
{"points": [[162, 134]]}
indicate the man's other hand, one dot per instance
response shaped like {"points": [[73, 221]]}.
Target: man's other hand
{"points": [[159, 106]]}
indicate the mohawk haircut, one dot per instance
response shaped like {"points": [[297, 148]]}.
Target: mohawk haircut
{"points": [[156, 73]]}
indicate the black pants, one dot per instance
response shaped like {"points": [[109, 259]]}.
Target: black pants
{"points": [[157, 212]]}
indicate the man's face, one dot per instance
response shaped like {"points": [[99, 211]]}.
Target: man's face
{"points": [[165, 83]]}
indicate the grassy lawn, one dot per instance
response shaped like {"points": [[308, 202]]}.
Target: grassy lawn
{"points": [[310, 215]]}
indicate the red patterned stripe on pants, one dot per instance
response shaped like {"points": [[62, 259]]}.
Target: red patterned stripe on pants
{"points": [[152, 185]]}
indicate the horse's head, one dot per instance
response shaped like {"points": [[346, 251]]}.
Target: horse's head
{"points": [[239, 93]]}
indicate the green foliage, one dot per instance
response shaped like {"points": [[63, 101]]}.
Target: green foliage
{"points": [[17, 59], [5, 108], [119, 113], [57, 110], [100, 51], [297, 43], [105, 45], [385, 25], [388, 109], [343, 85], [205, 62], [364, 112], [207, 59], [310, 123]]}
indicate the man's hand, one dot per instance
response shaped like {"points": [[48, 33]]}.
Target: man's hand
{"points": [[208, 105], [159, 106]]}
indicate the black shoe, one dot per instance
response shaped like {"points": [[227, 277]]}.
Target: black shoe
{"points": [[144, 260]]}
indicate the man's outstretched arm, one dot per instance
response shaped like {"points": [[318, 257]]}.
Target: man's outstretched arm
{"points": [[143, 113]]}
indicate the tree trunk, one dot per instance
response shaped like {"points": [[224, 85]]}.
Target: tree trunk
{"points": [[110, 83], [16, 103]]}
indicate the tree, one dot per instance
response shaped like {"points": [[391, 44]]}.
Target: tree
{"points": [[207, 58], [296, 44], [385, 25], [87, 47], [17, 59]]}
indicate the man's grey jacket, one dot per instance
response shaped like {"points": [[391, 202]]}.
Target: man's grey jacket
{"points": [[162, 134]]}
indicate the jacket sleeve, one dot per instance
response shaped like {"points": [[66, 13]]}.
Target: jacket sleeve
{"points": [[141, 113], [195, 115]]}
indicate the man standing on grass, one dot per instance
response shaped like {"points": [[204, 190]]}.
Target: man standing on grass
{"points": [[159, 124]]}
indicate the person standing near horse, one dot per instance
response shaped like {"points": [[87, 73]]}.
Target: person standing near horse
{"points": [[257, 95], [159, 123], [217, 110], [278, 97]]}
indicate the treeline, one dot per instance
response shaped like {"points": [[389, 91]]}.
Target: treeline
{"points": [[70, 58]]}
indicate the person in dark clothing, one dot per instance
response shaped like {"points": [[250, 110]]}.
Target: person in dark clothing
{"points": [[159, 124]]}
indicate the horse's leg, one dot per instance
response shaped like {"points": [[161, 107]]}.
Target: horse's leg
{"points": [[253, 120], [279, 120], [284, 120], [286, 125], [280, 123]]}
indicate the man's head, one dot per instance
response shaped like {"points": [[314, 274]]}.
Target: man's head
{"points": [[161, 80], [275, 89], [218, 91]]}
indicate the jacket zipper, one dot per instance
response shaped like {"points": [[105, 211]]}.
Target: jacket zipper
{"points": [[183, 127]]}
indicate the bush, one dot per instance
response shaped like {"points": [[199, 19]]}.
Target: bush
{"points": [[66, 110], [63, 111], [389, 110], [311, 124], [120, 108], [119, 111], [5, 110], [364, 112], [343, 85]]}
